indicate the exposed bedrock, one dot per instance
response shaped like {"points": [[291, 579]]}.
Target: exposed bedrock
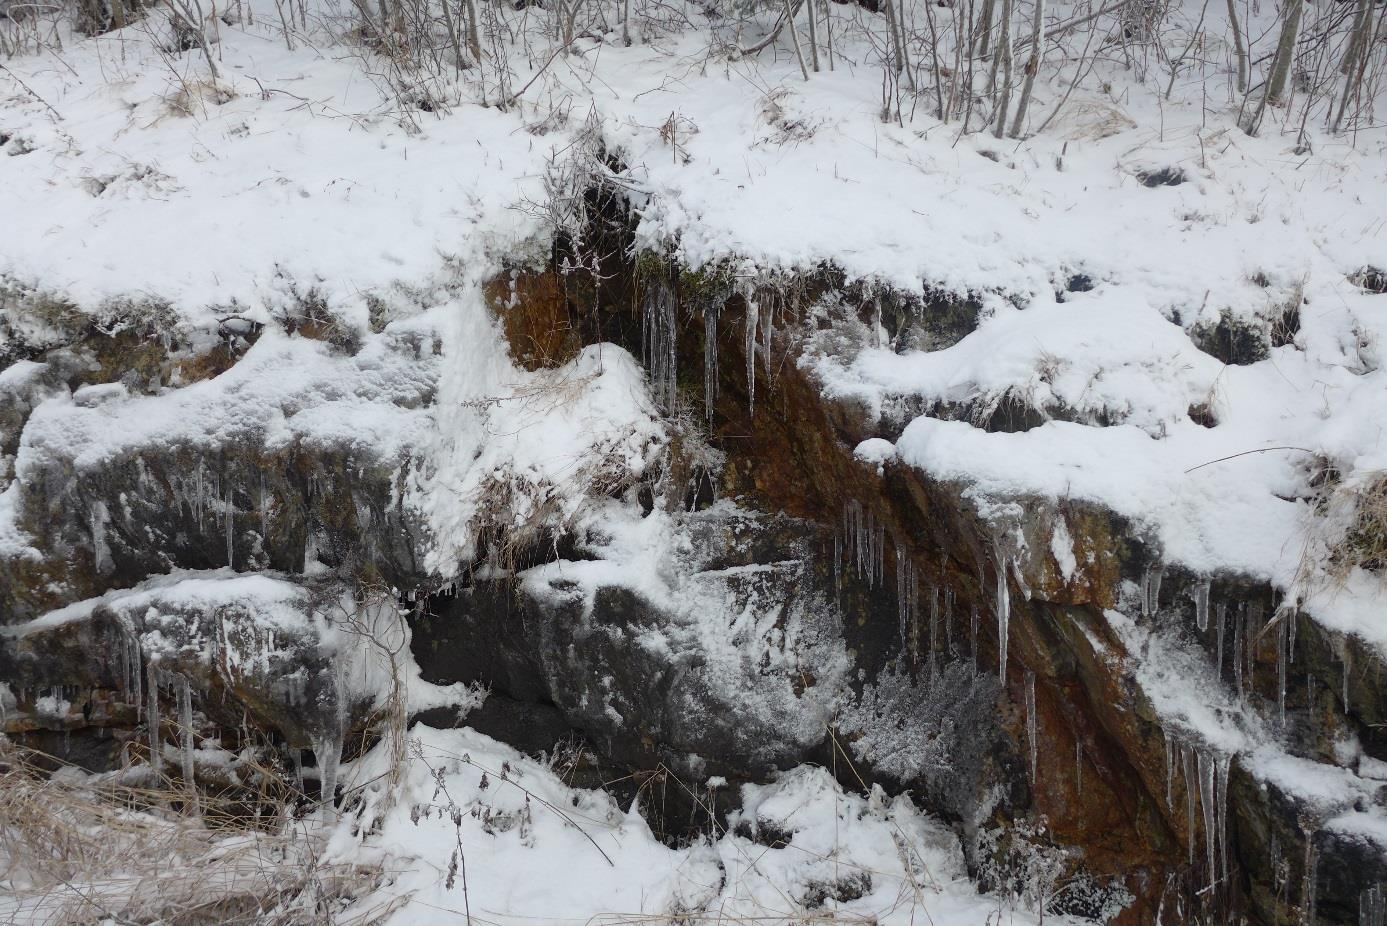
{"points": [[762, 598]]}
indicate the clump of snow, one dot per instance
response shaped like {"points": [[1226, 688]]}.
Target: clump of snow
{"points": [[508, 451], [1062, 549], [1325, 789], [475, 825], [285, 389], [875, 452]]}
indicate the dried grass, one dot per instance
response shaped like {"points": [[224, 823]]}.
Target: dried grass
{"points": [[1364, 543], [79, 849]]}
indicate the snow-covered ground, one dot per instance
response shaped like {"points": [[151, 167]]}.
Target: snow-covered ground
{"points": [[128, 175], [533, 848], [138, 181]]}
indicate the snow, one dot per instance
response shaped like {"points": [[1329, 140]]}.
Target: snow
{"points": [[284, 389], [1062, 549], [1370, 826], [1326, 789], [306, 179], [533, 847], [1182, 687], [875, 452], [504, 445], [740, 641], [134, 179]]}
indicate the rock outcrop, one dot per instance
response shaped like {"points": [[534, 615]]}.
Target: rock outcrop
{"points": [[776, 589]]}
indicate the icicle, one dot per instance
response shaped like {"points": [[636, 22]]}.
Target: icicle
{"points": [[1208, 801], [1239, 634], [1079, 767], [973, 635], [1225, 765], [1169, 771], [767, 330], [156, 742], [1151, 590], [1220, 616], [933, 627], [1278, 871], [1372, 906], [659, 335], [327, 753], [1293, 621], [1187, 760], [1281, 660], [1031, 725], [949, 621], [1254, 627], [1346, 661], [1309, 887], [124, 680], [185, 723], [1201, 605], [1003, 612], [230, 529], [101, 553], [902, 602], [752, 312], [913, 606], [710, 359]]}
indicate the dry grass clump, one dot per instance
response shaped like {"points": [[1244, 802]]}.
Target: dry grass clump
{"points": [[1364, 544], [79, 849]]}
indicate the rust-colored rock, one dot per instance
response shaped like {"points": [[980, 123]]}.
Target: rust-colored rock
{"points": [[534, 311]]}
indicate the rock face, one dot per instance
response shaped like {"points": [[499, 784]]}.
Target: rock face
{"points": [[761, 598], [728, 660], [266, 643]]}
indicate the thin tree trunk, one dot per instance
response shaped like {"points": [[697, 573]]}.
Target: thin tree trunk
{"points": [[813, 38], [828, 30], [983, 34], [905, 46], [934, 57], [474, 38], [1004, 56], [453, 34], [1032, 66], [1239, 48], [894, 27], [1280, 65], [1285, 52], [1355, 60], [1357, 36], [794, 38]]}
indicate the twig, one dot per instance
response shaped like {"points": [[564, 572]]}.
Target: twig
{"points": [[29, 90], [1243, 454], [467, 760], [1077, 21]]}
